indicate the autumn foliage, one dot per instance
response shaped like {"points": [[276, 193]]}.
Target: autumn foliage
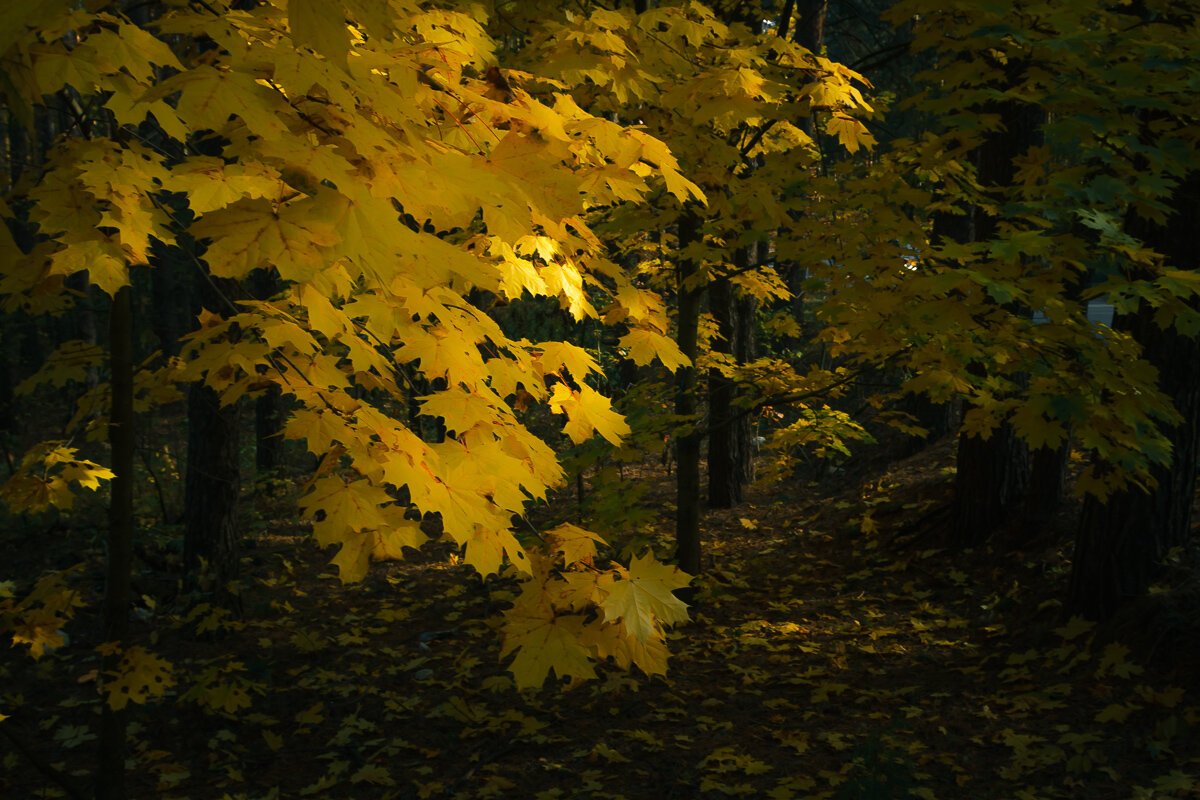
{"points": [[484, 255]]}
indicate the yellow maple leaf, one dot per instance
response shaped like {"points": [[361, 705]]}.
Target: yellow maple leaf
{"points": [[250, 234], [611, 640], [645, 598], [460, 410], [210, 183], [444, 352], [646, 345], [487, 547], [349, 508], [850, 132], [400, 533], [320, 25], [574, 543], [544, 642], [70, 362], [102, 259], [588, 411], [1116, 712], [139, 676], [1076, 626], [555, 356], [209, 96]]}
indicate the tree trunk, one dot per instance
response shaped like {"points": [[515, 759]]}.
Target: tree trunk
{"points": [[989, 483], [212, 481], [268, 406], [110, 771], [687, 445], [730, 455], [1047, 483], [745, 350], [210, 544], [724, 475], [992, 474], [1122, 541], [268, 432]]}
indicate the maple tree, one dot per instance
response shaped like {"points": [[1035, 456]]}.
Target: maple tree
{"points": [[317, 157]]}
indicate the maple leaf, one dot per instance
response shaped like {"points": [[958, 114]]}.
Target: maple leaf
{"points": [[486, 549], [389, 542], [210, 95], [461, 411], [252, 233], [545, 642], [645, 345], [70, 362], [320, 25], [138, 677], [611, 640], [588, 411], [349, 510], [851, 133], [644, 598], [102, 259], [1076, 626], [558, 355], [574, 543]]}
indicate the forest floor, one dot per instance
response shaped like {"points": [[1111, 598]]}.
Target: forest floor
{"points": [[837, 650]]}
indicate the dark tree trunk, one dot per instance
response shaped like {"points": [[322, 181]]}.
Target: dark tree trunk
{"points": [[1047, 483], [992, 474], [730, 454], [210, 544], [110, 768], [724, 475], [1122, 541], [745, 350], [810, 31], [687, 445], [989, 484], [171, 313], [212, 481], [268, 406], [268, 432]]}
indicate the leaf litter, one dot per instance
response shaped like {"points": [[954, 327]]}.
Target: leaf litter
{"points": [[825, 658]]}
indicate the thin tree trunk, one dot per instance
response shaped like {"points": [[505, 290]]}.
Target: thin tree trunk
{"points": [[1047, 483], [687, 446], [212, 481], [724, 478], [210, 544], [992, 474], [745, 350], [268, 406], [268, 430], [110, 772]]}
